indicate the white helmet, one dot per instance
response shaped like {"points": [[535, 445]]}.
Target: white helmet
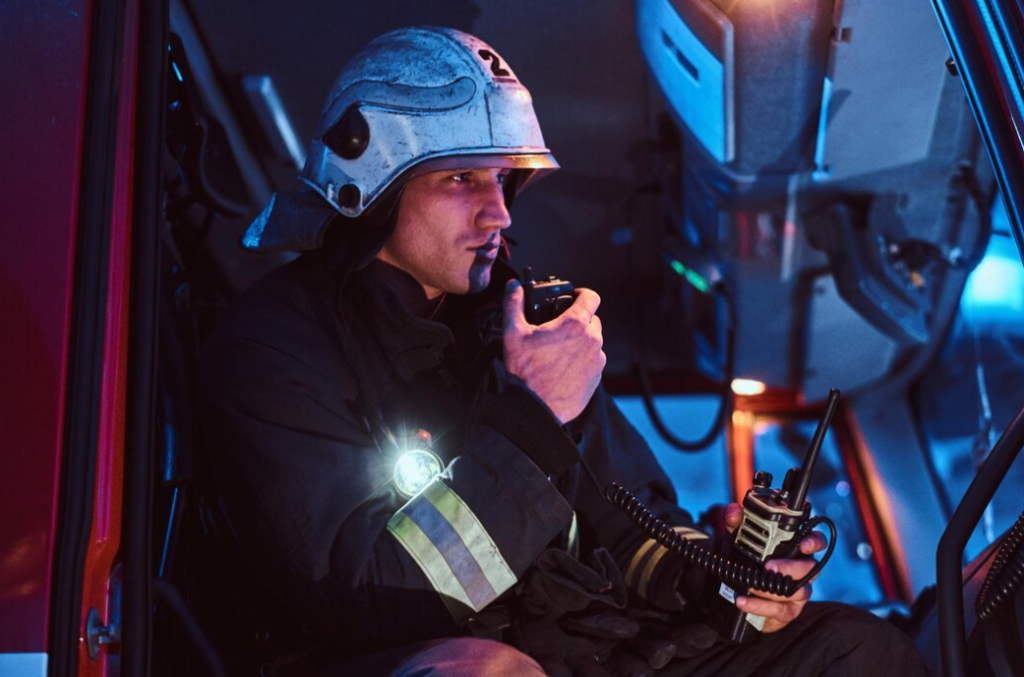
{"points": [[415, 96], [415, 100]]}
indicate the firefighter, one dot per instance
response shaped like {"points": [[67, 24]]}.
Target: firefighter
{"points": [[398, 452]]}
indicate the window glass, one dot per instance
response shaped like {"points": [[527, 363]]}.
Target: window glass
{"points": [[964, 403], [700, 479]]}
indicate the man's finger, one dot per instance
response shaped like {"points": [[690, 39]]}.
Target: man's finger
{"points": [[586, 301], [797, 568], [801, 595], [514, 317], [733, 516], [814, 543], [779, 611]]}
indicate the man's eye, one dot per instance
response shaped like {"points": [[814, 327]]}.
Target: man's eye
{"points": [[503, 177], [461, 177]]}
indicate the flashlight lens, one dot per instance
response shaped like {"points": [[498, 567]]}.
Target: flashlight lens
{"points": [[416, 469]]}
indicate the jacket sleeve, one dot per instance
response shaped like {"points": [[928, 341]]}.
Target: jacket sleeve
{"points": [[311, 498], [615, 451]]}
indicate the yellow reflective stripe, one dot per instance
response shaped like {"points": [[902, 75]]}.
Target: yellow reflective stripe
{"points": [[433, 565], [690, 534], [473, 534], [573, 546], [640, 581], [635, 562], [451, 546], [645, 577]]}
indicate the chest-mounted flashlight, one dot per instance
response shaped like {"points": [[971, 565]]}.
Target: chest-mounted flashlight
{"points": [[417, 466]]}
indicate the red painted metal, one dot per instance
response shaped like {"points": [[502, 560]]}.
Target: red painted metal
{"points": [[875, 503], [105, 537], [43, 49]]}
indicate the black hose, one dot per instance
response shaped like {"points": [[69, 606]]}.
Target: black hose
{"points": [[1006, 574], [725, 390]]}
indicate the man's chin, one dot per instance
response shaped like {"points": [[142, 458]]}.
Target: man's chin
{"points": [[479, 278], [478, 284]]}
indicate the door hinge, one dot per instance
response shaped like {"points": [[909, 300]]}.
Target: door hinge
{"points": [[96, 633]]}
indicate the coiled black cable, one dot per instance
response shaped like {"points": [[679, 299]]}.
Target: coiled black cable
{"points": [[733, 574], [1006, 575]]}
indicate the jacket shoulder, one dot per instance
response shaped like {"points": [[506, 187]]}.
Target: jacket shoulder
{"points": [[284, 321]]}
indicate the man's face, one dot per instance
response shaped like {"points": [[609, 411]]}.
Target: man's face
{"points": [[448, 229]]}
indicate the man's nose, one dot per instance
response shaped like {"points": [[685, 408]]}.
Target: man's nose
{"points": [[494, 212]]}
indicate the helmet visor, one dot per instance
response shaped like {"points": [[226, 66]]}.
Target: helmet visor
{"points": [[533, 165]]}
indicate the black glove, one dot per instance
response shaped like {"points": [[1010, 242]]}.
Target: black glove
{"points": [[574, 622], [663, 636], [559, 653], [559, 584], [572, 615]]}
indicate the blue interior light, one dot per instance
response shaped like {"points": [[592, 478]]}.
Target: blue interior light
{"points": [[995, 290], [997, 281]]}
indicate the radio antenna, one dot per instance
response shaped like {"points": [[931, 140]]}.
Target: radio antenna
{"points": [[800, 492]]}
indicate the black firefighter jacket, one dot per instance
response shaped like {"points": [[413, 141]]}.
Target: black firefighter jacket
{"points": [[297, 386]]}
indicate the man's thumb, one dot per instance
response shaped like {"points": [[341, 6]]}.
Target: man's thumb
{"points": [[514, 317]]}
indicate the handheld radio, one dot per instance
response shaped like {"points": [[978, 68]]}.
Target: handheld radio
{"points": [[774, 523], [545, 300]]}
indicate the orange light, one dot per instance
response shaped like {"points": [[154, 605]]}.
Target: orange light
{"points": [[742, 418], [743, 386]]}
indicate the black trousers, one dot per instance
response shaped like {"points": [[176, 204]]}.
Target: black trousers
{"points": [[827, 640]]}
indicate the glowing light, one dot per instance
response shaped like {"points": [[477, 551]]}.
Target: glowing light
{"points": [[996, 282], [415, 470], [995, 290], [843, 488], [747, 387], [691, 276], [742, 418]]}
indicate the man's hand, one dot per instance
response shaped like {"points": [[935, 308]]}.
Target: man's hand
{"points": [[561, 360], [778, 611]]}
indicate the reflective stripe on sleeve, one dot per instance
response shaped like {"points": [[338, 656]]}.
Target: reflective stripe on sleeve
{"points": [[572, 545], [644, 563], [453, 549]]}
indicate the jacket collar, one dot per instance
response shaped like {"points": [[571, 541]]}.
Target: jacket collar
{"points": [[383, 298]]}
